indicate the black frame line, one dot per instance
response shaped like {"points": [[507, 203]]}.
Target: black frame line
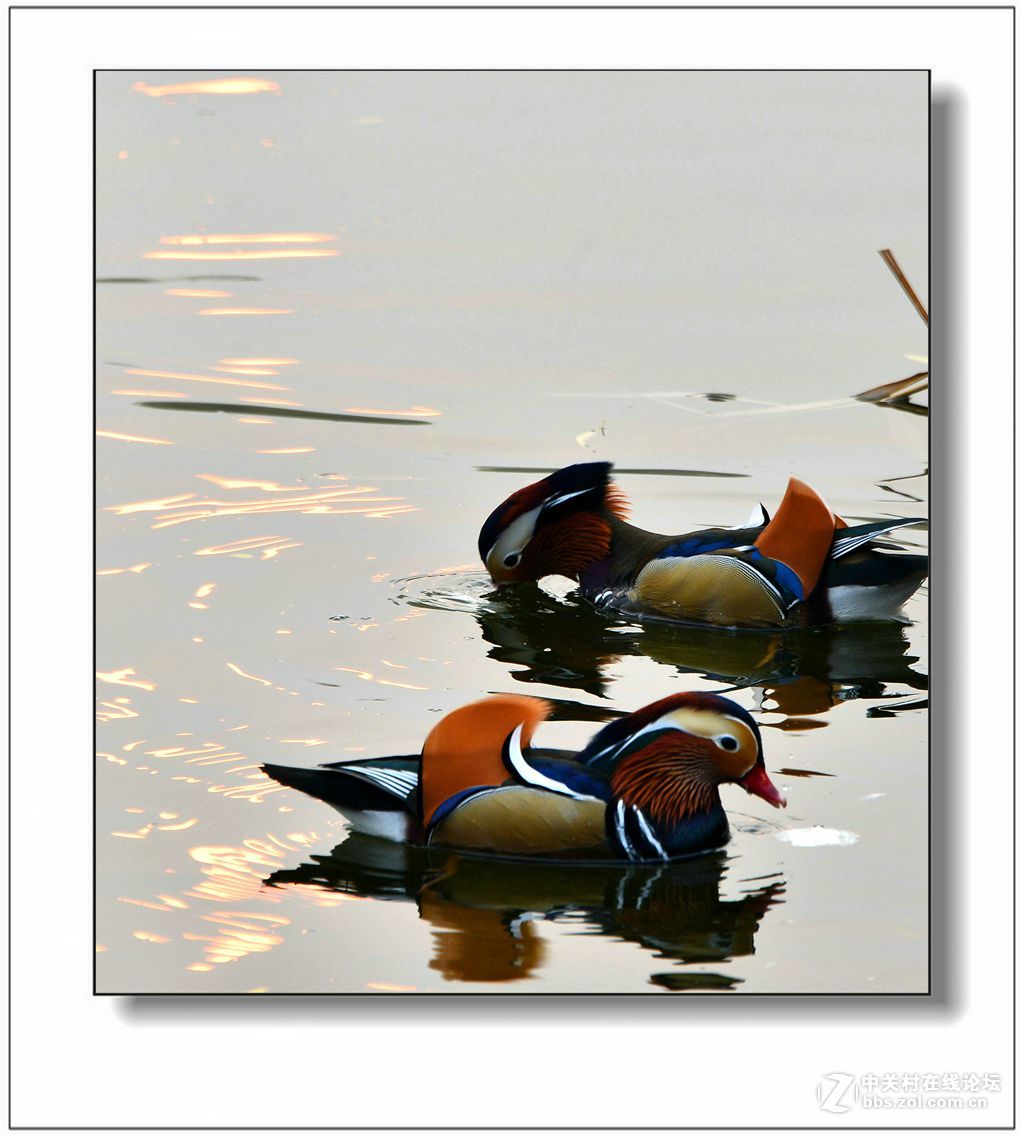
{"points": [[496, 999]]}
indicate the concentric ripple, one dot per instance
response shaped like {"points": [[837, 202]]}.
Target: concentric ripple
{"points": [[460, 589]]}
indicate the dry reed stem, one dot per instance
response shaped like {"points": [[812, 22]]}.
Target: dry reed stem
{"points": [[894, 268]]}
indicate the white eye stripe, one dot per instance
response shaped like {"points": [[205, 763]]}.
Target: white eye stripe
{"points": [[514, 539], [520, 532], [694, 720], [620, 830]]}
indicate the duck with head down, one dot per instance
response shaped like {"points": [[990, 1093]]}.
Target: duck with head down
{"points": [[804, 564], [646, 787]]}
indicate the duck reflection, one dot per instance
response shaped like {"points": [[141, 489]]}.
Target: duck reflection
{"points": [[567, 642], [483, 912]]}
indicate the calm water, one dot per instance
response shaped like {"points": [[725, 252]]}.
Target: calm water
{"points": [[448, 282]]}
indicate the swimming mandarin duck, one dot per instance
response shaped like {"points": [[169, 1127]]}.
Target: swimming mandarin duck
{"points": [[645, 788], [804, 565]]}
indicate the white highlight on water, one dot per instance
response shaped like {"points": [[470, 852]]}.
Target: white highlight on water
{"points": [[817, 837]]}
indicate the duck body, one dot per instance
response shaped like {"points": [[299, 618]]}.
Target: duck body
{"points": [[644, 789], [805, 565]]}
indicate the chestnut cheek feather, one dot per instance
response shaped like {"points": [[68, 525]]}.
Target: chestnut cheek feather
{"points": [[567, 547], [670, 779]]}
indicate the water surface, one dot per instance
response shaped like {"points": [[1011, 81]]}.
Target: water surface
{"points": [[340, 317]]}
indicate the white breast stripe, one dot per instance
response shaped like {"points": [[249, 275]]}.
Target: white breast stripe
{"points": [[649, 835], [620, 828], [530, 776]]}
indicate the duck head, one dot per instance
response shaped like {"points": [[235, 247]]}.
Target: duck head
{"points": [[560, 525], [669, 759]]}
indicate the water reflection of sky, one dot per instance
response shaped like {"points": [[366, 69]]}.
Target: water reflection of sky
{"points": [[295, 455]]}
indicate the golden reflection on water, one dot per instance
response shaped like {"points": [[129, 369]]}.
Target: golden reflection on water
{"points": [[412, 412], [244, 483], [240, 254], [150, 394], [198, 293], [267, 546], [133, 438], [146, 903], [208, 87], [261, 362], [136, 568], [246, 311], [476, 944], [357, 499], [186, 377], [255, 678], [122, 678], [247, 371], [366, 676], [248, 239], [262, 400], [229, 874]]}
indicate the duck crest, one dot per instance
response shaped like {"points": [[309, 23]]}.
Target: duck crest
{"points": [[611, 743], [588, 485], [465, 749], [578, 490]]}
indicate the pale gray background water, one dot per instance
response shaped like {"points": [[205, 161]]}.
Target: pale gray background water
{"points": [[544, 268]]}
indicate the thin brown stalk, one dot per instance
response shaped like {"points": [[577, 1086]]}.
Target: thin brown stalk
{"points": [[894, 268], [902, 388]]}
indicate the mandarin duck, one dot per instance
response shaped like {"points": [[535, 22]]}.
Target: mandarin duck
{"points": [[645, 788], [805, 564]]}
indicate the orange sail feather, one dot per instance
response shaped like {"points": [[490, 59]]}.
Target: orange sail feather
{"points": [[464, 749], [800, 534]]}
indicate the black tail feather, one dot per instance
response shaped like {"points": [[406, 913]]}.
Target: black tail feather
{"points": [[347, 792], [857, 536]]}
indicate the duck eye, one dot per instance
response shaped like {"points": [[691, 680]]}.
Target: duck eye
{"points": [[511, 560], [728, 742]]}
